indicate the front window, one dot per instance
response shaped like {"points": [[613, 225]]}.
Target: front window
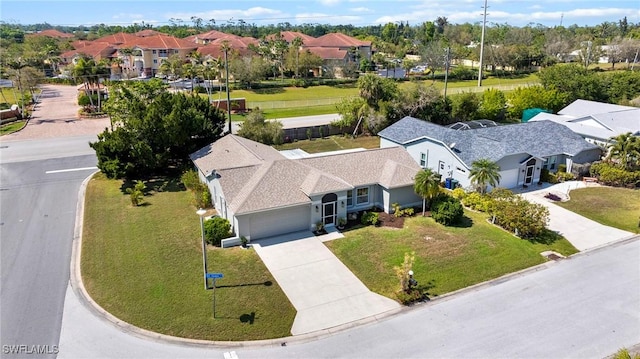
{"points": [[349, 198], [362, 195], [162, 53]]}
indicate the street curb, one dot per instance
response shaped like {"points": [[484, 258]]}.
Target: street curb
{"points": [[86, 300]]}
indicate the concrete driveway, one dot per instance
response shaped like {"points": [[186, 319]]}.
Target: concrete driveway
{"points": [[321, 288], [582, 232]]}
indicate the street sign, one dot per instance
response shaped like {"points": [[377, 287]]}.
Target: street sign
{"points": [[214, 275]]}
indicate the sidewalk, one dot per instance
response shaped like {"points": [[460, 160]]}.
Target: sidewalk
{"points": [[582, 232]]}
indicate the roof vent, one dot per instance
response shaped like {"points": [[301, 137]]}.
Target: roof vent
{"points": [[452, 145]]}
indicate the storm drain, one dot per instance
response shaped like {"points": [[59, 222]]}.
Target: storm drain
{"points": [[551, 255]]}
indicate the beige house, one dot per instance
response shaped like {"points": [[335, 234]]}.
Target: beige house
{"points": [[264, 193]]}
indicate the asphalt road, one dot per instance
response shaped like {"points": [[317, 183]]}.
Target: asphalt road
{"points": [[587, 306], [38, 208]]}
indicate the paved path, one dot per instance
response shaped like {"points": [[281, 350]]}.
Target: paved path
{"points": [[321, 288], [582, 232], [56, 115]]}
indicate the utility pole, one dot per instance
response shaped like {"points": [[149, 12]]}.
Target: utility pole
{"points": [[226, 68], [484, 23], [446, 71]]}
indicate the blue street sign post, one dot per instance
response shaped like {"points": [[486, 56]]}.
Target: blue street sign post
{"points": [[213, 277]]}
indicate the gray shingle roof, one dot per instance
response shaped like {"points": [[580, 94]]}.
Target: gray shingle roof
{"points": [[539, 139], [232, 151], [256, 179]]}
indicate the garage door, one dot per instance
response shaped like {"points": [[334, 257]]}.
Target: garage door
{"points": [[509, 179], [280, 221]]}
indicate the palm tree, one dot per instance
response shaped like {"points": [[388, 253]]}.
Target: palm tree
{"points": [[484, 172], [297, 43], [626, 149], [427, 186]]}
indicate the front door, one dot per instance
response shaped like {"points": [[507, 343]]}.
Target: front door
{"points": [[329, 213], [528, 178]]}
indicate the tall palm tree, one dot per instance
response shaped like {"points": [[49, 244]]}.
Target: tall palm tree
{"points": [[484, 172], [626, 149], [427, 186], [297, 43]]}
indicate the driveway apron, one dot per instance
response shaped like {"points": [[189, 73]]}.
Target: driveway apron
{"points": [[322, 289]]}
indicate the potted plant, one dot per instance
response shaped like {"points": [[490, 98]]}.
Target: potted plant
{"points": [[319, 227], [341, 223]]}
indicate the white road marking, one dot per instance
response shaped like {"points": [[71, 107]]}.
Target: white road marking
{"points": [[72, 170]]}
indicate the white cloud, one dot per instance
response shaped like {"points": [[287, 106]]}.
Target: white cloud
{"points": [[329, 2], [220, 16], [361, 9], [328, 19]]}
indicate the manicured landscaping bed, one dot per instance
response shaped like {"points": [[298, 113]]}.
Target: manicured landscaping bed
{"points": [[332, 143], [446, 258], [144, 265], [611, 206]]}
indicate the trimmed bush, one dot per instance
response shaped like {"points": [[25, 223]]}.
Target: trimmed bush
{"points": [[477, 202], [611, 175], [369, 218], [459, 193], [447, 210], [216, 229]]}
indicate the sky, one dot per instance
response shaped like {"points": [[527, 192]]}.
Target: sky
{"points": [[334, 12]]}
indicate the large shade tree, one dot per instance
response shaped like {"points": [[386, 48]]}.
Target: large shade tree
{"points": [[484, 172], [154, 130], [427, 186]]}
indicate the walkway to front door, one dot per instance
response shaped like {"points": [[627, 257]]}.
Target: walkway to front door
{"points": [[321, 288]]}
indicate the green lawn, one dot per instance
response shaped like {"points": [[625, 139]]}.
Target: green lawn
{"points": [[332, 143], [615, 207], [12, 127], [447, 258], [8, 95], [144, 265]]}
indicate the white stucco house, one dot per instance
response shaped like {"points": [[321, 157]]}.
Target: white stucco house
{"points": [[520, 150], [264, 193], [596, 122]]}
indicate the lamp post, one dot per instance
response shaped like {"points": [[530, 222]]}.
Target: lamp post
{"points": [[412, 281], [201, 212]]}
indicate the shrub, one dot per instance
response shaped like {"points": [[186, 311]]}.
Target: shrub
{"points": [[190, 180], [526, 219], [447, 210], [216, 229], [459, 193], [201, 193], [544, 175], [477, 202], [562, 168], [136, 193], [565, 176], [369, 218], [396, 209], [408, 212], [611, 175]]}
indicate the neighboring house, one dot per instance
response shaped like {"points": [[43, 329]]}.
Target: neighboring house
{"points": [[358, 49], [520, 150], [141, 55], [264, 193], [596, 122], [96, 50]]}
